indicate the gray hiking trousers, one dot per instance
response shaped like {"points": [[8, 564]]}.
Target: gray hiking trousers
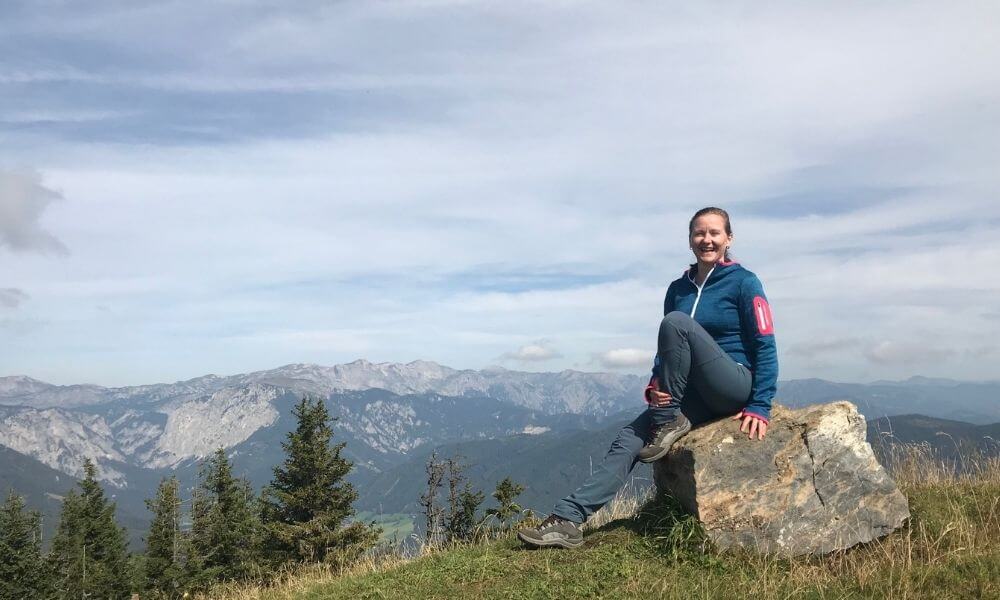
{"points": [[705, 383]]}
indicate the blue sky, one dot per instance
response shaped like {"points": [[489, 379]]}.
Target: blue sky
{"points": [[216, 187]]}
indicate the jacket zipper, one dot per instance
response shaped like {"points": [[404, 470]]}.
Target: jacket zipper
{"points": [[700, 287]]}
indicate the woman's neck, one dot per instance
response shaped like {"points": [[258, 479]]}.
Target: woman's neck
{"points": [[703, 270]]}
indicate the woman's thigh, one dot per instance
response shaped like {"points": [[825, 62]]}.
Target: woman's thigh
{"points": [[723, 385]]}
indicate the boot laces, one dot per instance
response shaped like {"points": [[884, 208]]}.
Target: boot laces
{"points": [[550, 521]]}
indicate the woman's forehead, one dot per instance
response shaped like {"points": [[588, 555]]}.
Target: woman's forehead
{"points": [[710, 221]]}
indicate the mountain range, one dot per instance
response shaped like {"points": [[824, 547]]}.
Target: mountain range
{"points": [[390, 415]]}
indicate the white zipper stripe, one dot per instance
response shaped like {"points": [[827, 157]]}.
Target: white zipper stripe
{"points": [[700, 287]]}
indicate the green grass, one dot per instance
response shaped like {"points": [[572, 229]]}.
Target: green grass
{"points": [[660, 554], [949, 549]]}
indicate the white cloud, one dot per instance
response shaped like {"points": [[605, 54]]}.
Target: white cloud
{"points": [[889, 352], [535, 352], [625, 358], [23, 199]]}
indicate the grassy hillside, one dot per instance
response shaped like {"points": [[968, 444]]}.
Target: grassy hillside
{"points": [[948, 550]]}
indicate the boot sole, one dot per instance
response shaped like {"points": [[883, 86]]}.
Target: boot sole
{"points": [[672, 437], [561, 543]]}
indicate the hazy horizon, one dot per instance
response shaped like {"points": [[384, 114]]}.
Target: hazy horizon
{"points": [[485, 368]]}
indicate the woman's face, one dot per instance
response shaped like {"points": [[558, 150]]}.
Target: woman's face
{"points": [[709, 239]]}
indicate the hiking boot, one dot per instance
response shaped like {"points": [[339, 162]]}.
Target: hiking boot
{"points": [[553, 531], [664, 437]]}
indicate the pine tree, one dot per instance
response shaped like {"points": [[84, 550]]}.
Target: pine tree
{"points": [[197, 575], [308, 503], [506, 492], [463, 522], [463, 502], [225, 525], [23, 571], [162, 568], [88, 555]]}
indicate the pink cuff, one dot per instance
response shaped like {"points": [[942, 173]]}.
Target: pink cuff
{"points": [[745, 413], [654, 384]]}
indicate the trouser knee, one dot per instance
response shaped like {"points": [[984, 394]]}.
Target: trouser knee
{"points": [[677, 319], [675, 323]]}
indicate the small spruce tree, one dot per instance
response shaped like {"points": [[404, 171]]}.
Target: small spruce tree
{"points": [[225, 526], [308, 504], [505, 494], [463, 521], [88, 555], [162, 567], [463, 502], [23, 571]]}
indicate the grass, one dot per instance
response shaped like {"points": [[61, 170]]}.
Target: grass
{"points": [[639, 548]]}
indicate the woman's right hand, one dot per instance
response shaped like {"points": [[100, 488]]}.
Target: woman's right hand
{"points": [[654, 397], [658, 399]]}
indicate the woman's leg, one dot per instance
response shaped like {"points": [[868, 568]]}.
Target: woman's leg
{"points": [[697, 373], [609, 476], [689, 356]]}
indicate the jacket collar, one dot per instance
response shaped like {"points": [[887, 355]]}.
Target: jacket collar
{"points": [[722, 268]]}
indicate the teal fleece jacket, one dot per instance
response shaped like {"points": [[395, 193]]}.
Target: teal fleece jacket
{"points": [[733, 309]]}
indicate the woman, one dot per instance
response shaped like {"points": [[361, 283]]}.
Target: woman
{"points": [[715, 356]]}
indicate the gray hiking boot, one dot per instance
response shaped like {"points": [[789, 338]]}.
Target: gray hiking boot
{"points": [[553, 531], [664, 437]]}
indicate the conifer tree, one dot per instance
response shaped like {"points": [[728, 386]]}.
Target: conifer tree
{"points": [[308, 503], [162, 567], [224, 525], [88, 555], [463, 521], [23, 571], [463, 502], [505, 494]]}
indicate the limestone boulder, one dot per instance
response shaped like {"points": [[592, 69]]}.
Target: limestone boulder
{"points": [[811, 486]]}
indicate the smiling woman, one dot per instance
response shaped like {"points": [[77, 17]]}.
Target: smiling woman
{"points": [[715, 357]]}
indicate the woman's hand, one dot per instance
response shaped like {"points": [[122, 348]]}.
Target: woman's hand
{"points": [[654, 397], [752, 425], [658, 399]]}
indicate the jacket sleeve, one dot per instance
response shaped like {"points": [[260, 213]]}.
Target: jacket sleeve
{"points": [[758, 335]]}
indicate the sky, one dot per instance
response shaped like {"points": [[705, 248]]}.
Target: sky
{"points": [[222, 187]]}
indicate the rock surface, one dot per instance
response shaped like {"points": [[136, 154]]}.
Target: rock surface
{"points": [[811, 486]]}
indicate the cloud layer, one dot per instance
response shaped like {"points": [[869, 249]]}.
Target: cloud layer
{"points": [[455, 181], [23, 199]]}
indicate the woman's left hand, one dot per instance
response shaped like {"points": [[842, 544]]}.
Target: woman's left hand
{"points": [[752, 425]]}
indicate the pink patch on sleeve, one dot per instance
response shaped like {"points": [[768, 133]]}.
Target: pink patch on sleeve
{"points": [[761, 310]]}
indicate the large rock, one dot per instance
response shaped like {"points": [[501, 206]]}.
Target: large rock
{"points": [[810, 487]]}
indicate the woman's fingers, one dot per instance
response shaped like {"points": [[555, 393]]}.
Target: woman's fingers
{"points": [[751, 425], [661, 399]]}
